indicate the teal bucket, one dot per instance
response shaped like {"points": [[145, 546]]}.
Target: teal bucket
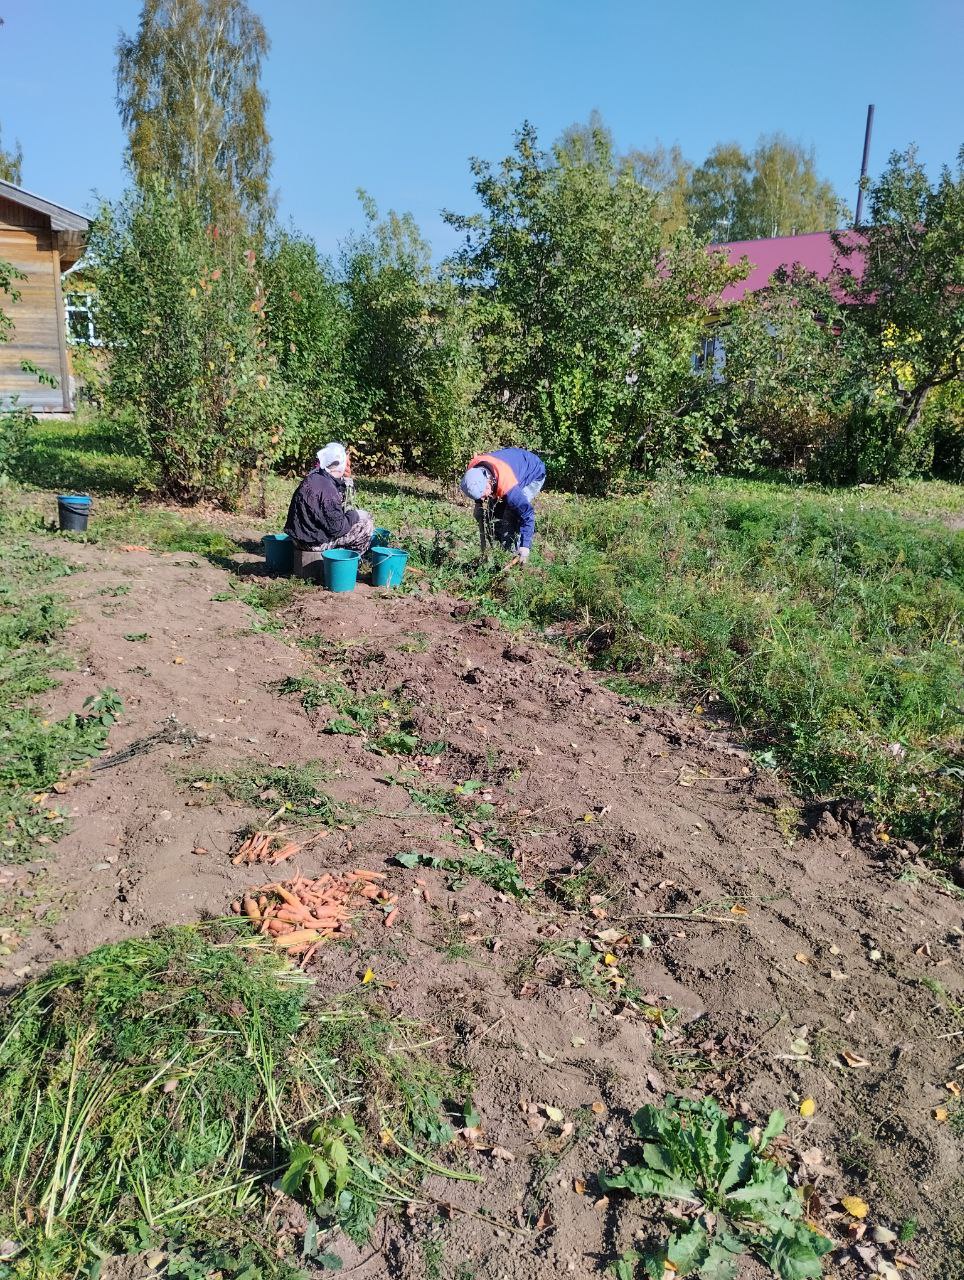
{"points": [[339, 569], [279, 554], [388, 566], [380, 538]]}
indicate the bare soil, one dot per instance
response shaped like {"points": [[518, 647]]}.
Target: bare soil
{"points": [[776, 946]]}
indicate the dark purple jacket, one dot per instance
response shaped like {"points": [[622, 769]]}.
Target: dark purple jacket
{"points": [[317, 511]]}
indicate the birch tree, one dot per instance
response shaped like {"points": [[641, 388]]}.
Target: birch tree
{"points": [[189, 95]]}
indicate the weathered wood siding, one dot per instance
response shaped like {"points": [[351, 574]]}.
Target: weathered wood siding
{"points": [[38, 318]]}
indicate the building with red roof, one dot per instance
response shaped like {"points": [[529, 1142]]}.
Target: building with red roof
{"points": [[814, 252]]}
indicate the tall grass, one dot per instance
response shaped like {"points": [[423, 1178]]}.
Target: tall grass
{"points": [[828, 625], [157, 1086], [36, 750]]}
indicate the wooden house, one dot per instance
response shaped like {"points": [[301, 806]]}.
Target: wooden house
{"points": [[42, 240]]}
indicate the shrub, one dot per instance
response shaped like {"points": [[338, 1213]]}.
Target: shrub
{"points": [[181, 309], [307, 318], [410, 360]]}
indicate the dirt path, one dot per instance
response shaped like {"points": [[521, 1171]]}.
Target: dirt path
{"points": [[799, 953]]}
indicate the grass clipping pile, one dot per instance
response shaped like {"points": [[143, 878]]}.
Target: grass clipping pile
{"points": [[156, 1090]]}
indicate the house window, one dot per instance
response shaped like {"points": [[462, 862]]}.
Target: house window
{"points": [[81, 314], [710, 358]]}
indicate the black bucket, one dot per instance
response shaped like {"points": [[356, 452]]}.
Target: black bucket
{"points": [[73, 510]]}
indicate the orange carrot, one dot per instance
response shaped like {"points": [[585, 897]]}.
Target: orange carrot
{"points": [[251, 909], [391, 918], [368, 875]]}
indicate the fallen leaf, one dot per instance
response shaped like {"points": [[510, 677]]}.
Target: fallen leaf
{"points": [[598, 1108], [940, 1114], [883, 1235], [953, 1087], [579, 1186], [854, 1059], [838, 975], [610, 936], [738, 910], [578, 1042], [610, 959], [178, 662], [369, 976], [856, 1207], [544, 1220], [813, 1160], [547, 1058], [807, 1108], [554, 1113], [502, 1153], [802, 958], [601, 1204]]}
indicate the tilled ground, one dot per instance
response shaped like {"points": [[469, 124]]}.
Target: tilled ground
{"points": [[763, 960]]}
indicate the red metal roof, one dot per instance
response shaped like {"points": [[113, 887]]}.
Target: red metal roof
{"points": [[814, 252]]}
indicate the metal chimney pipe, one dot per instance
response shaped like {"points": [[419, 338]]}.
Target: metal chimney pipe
{"points": [[863, 164]]}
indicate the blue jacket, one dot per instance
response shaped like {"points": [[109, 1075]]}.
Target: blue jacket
{"points": [[527, 469]]}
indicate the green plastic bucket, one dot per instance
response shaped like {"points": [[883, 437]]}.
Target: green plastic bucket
{"points": [[388, 566], [279, 554], [339, 569]]}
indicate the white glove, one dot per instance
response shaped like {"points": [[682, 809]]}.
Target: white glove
{"points": [[523, 554]]}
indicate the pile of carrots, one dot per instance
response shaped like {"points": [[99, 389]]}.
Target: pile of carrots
{"points": [[301, 914], [257, 848]]}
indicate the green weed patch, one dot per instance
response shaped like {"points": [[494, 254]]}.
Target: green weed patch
{"points": [[157, 1087], [36, 752], [829, 624], [501, 874], [299, 789], [738, 1200]]}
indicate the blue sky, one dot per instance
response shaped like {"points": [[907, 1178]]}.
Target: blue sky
{"points": [[395, 95]]}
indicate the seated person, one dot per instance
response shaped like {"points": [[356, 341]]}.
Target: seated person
{"points": [[318, 519]]}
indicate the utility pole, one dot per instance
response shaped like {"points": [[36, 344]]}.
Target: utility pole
{"points": [[863, 164]]}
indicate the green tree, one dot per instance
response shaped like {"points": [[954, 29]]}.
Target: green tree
{"points": [[776, 191], [785, 195], [786, 376], [188, 90], [10, 161], [181, 311], [307, 316], [11, 164], [585, 320], [905, 272], [667, 174], [409, 355], [718, 192]]}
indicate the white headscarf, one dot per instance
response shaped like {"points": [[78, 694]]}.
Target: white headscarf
{"points": [[332, 455]]}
